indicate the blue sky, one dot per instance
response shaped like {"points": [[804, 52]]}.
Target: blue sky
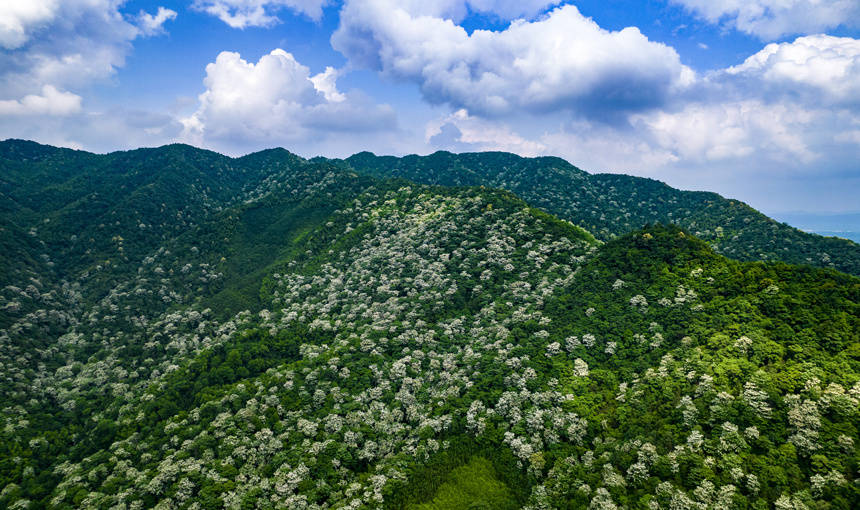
{"points": [[757, 99]]}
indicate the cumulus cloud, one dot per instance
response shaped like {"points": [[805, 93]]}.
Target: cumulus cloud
{"points": [[698, 135], [547, 85], [562, 60], [276, 100], [750, 149], [819, 69], [326, 82], [788, 112], [258, 13], [456, 10], [785, 106], [50, 102], [715, 132], [742, 137], [50, 49], [69, 44], [64, 45], [17, 19], [771, 19]]}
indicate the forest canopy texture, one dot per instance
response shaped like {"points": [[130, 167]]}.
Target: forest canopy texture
{"points": [[181, 329]]}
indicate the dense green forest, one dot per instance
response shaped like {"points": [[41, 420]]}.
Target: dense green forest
{"points": [[610, 205], [180, 329]]}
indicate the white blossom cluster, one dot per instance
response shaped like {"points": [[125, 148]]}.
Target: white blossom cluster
{"points": [[382, 301]]}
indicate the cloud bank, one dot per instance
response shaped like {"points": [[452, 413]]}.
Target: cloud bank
{"points": [[560, 61], [50, 102], [50, 50], [817, 69], [150, 25], [772, 19]]}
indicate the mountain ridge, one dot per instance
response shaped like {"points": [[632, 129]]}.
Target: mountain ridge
{"points": [[607, 205]]}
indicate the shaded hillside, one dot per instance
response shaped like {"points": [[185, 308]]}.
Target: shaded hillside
{"points": [[421, 346], [68, 196], [609, 205]]}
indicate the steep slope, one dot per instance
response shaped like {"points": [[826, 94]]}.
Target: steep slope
{"points": [[146, 340], [90, 209], [314, 337], [70, 217], [420, 337], [65, 195], [610, 205], [214, 260]]}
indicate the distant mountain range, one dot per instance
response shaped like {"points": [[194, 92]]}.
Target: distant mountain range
{"points": [[609, 205]]}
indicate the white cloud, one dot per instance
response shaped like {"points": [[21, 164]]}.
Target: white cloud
{"points": [[747, 134], [547, 86], [753, 150], [154, 24], [110, 130], [601, 148], [850, 137], [326, 82], [786, 106], [595, 147], [791, 110], [258, 13], [771, 19], [276, 100], [51, 102], [743, 137], [560, 61], [456, 10], [64, 44], [263, 13], [19, 18], [69, 44], [733, 131], [53, 48], [825, 68]]}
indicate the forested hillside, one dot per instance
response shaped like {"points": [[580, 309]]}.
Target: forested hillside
{"points": [[610, 205], [185, 330], [46, 183]]}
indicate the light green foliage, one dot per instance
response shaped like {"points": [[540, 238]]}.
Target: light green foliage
{"points": [[473, 486]]}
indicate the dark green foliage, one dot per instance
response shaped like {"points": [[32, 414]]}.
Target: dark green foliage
{"points": [[610, 205], [466, 475], [472, 486], [214, 369], [296, 333]]}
